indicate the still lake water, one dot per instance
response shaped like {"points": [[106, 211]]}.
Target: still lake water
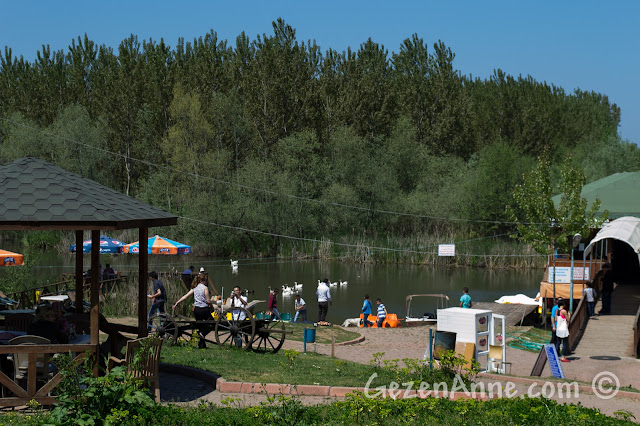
{"points": [[391, 283]]}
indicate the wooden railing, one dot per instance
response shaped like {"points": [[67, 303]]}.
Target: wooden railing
{"points": [[578, 323], [42, 395], [27, 298], [636, 335]]}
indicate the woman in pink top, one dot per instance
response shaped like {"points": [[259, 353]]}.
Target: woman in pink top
{"points": [[562, 331]]}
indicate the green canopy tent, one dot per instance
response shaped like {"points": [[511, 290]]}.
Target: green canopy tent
{"points": [[619, 194]]}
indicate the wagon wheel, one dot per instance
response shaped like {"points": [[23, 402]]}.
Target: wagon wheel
{"points": [[234, 331], [269, 336], [163, 326]]}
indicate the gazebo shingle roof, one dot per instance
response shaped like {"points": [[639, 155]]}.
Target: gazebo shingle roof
{"points": [[35, 194]]}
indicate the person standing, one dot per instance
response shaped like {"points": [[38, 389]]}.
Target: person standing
{"points": [[589, 294], [366, 311], [301, 309], [554, 319], [201, 310], [237, 301], [607, 289], [382, 313], [273, 304], [465, 299], [562, 330], [159, 296], [324, 299]]}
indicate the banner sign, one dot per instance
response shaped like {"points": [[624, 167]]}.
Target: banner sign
{"points": [[563, 274], [548, 353], [447, 250]]}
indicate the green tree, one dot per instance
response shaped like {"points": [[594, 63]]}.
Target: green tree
{"points": [[539, 222]]}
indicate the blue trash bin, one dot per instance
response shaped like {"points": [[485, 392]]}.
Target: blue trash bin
{"points": [[309, 337]]}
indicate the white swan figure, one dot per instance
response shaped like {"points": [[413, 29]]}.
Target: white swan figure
{"points": [[343, 282], [297, 286], [234, 263], [286, 289], [334, 284]]}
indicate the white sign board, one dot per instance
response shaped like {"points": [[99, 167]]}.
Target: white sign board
{"points": [[563, 274], [447, 250]]}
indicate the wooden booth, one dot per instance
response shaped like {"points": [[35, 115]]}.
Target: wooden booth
{"points": [[36, 195]]}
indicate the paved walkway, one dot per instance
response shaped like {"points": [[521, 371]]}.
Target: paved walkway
{"points": [[612, 335]]}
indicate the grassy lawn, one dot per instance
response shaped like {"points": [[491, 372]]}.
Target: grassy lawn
{"points": [[323, 334], [301, 369]]}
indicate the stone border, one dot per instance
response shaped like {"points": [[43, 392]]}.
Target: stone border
{"points": [[527, 380], [352, 342], [194, 373], [224, 386]]}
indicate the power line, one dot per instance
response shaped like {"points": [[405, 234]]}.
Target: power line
{"points": [[314, 240], [266, 191]]}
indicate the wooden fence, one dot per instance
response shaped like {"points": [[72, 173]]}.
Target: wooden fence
{"points": [[578, 323], [27, 298], [42, 395]]}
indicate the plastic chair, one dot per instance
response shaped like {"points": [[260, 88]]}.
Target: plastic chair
{"points": [[496, 362], [149, 362], [18, 322], [285, 316], [21, 360]]}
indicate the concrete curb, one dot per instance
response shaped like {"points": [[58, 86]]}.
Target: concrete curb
{"points": [[530, 381], [352, 342], [224, 386]]}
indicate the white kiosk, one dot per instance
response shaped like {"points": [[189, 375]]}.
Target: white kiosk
{"points": [[478, 326]]}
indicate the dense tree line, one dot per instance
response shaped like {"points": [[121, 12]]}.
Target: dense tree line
{"points": [[276, 135]]}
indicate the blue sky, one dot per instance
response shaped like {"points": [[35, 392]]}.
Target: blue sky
{"points": [[591, 45]]}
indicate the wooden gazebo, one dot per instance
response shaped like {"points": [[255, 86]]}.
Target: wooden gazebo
{"points": [[36, 195]]}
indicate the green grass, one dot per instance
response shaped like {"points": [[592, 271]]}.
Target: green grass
{"points": [[296, 369], [356, 410], [323, 334]]}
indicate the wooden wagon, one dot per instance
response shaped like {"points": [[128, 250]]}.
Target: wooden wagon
{"points": [[234, 327]]}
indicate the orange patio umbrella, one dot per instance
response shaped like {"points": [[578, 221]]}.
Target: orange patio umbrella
{"points": [[8, 258], [159, 245]]}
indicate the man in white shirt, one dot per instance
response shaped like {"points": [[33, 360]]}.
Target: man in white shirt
{"points": [[237, 301], [301, 309], [324, 299]]}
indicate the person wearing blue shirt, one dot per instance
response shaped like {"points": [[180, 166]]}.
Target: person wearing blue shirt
{"points": [[382, 313], [465, 299], [554, 319], [366, 311]]}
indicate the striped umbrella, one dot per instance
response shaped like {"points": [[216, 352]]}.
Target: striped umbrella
{"points": [[107, 245], [8, 258], [159, 245]]}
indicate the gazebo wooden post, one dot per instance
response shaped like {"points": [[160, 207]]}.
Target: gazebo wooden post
{"points": [[95, 293], [143, 265], [79, 273]]}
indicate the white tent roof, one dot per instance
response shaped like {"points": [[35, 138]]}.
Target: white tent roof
{"points": [[626, 229]]}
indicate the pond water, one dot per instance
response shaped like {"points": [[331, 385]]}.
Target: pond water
{"points": [[391, 283]]}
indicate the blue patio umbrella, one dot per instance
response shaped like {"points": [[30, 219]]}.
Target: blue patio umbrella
{"points": [[107, 245]]}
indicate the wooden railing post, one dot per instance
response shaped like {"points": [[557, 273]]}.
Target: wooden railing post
{"points": [[79, 273], [143, 272], [95, 293]]}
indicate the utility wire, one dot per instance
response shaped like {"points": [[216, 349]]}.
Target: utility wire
{"points": [[314, 240], [266, 191]]}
